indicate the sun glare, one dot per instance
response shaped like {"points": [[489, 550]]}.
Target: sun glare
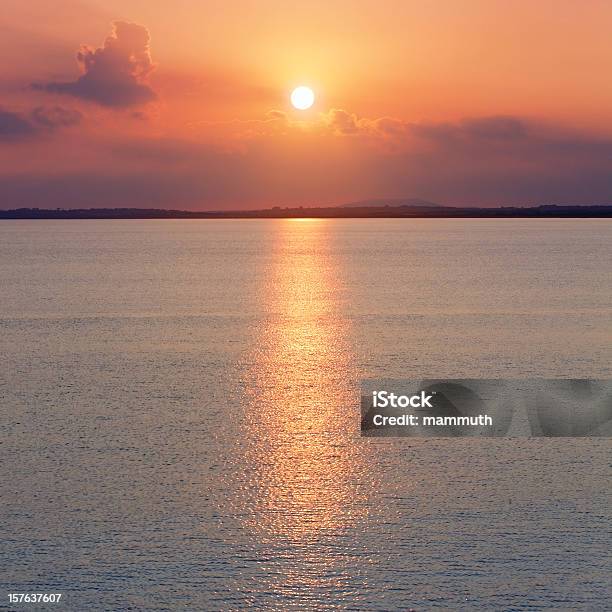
{"points": [[302, 97]]}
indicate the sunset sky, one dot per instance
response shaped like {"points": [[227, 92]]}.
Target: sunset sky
{"points": [[186, 104]]}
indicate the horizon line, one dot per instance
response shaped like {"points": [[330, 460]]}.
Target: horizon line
{"points": [[342, 211]]}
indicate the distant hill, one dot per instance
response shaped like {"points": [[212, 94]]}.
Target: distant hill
{"points": [[412, 202]]}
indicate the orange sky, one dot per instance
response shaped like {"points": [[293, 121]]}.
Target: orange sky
{"points": [[475, 102]]}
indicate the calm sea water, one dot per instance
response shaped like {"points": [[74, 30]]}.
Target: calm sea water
{"points": [[180, 414]]}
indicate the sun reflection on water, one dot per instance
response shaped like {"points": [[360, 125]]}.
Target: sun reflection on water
{"points": [[301, 415]]}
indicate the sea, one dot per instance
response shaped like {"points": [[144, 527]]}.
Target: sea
{"points": [[180, 416]]}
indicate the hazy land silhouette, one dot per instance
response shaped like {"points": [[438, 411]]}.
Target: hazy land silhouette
{"points": [[365, 209]]}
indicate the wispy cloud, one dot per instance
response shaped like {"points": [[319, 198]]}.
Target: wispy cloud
{"points": [[41, 120]]}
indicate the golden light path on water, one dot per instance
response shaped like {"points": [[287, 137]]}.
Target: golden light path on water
{"points": [[302, 415]]}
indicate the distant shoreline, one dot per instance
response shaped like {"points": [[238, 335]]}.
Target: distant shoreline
{"points": [[368, 212]]}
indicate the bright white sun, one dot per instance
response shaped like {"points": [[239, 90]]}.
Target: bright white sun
{"points": [[302, 97]]}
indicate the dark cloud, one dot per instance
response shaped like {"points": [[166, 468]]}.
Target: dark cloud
{"points": [[16, 126], [498, 160], [511, 141], [494, 127], [473, 129], [342, 122], [113, 75]]}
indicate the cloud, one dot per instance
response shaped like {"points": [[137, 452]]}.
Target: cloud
{"points": [[54, 117], [498, 160], [16, 126], [335, 122], [113, 75], [343, 123], [481, 139], [335, 157], [474, 130], [340, 122], [495, 127]]}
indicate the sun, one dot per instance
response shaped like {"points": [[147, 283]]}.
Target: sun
{"points": [[302, 97]]}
